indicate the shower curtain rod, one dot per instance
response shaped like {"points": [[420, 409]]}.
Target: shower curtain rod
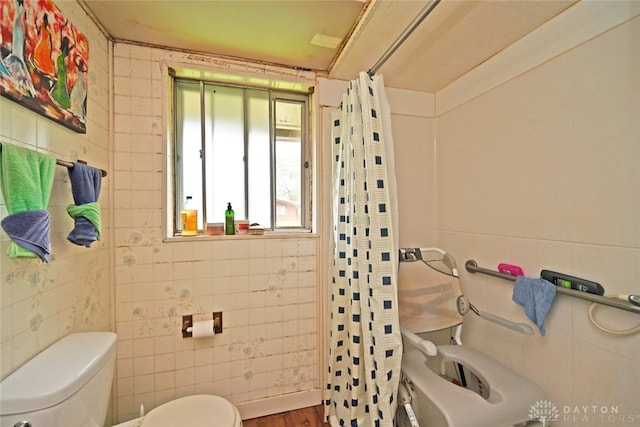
{"points": [[405, 34]]}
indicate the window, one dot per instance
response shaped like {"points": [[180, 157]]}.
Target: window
{"points": [[247, 146]]}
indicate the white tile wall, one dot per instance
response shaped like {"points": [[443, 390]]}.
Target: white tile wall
{"points": [[266, 287], [542, 171], [40, 303], [269, 343]]}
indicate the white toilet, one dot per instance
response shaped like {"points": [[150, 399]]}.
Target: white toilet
{"points": [[201, 410], [69, 383]]}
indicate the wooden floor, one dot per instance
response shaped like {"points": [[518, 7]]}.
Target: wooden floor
{"points": [[306, 417]]}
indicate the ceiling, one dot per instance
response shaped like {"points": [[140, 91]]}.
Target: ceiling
{"points": [[338, 38]]}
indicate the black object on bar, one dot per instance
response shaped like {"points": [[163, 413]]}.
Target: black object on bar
{"points": [[572, 282]]}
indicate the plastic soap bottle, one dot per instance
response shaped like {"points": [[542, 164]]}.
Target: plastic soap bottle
{"points": [[189, 216], [229, 222]]}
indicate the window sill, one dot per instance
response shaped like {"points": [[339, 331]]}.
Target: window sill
{"points": [[235, 237]]}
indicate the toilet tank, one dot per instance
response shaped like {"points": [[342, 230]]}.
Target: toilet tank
{"points": [[67, 385]]}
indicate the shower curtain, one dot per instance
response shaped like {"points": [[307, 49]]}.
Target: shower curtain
{"points": [[365, 345]]}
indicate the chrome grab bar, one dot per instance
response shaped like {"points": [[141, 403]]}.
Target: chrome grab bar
{"points": [[472, 267]]}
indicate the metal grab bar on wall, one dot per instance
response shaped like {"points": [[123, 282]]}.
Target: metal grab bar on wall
{"points": [[472, 267]]}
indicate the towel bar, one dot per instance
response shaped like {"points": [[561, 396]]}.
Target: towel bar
{"points": [[472, 267], [67, 164]]}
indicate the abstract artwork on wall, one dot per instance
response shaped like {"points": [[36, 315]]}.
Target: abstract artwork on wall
{"points": [[44, 61]]}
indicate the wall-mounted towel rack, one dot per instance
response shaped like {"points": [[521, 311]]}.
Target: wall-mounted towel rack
{"points": [[472, 267], [70, 165], [67, 164]]}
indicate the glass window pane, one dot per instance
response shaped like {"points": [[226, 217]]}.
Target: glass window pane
{"points": [[259, 166], [224, 109], [188, 144], [252, 141], [288, 126]]}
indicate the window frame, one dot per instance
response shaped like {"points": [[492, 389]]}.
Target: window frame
{"points": [[307, 174]]}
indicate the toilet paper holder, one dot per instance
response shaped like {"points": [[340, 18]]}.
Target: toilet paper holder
{"points": [[187, 324]]}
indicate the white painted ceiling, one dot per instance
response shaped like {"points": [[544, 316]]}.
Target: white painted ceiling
{"points": [[337, 38]]}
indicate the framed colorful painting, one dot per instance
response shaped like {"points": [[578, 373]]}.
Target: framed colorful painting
{"points": [[44, 61]]}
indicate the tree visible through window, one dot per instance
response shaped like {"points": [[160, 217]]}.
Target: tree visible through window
{"points": [[245, 146]]}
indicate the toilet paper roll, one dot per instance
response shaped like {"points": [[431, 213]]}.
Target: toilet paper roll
{"points": [[203, 329]]}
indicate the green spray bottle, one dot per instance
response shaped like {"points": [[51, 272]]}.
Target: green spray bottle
{"points": [[229, 221]]}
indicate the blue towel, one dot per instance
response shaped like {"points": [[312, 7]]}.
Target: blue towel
{"points": [[29, 230], [536, 296], [86, 182], [27, 177]]}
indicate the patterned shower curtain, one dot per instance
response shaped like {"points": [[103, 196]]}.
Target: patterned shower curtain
{"points": [[365, 343]]}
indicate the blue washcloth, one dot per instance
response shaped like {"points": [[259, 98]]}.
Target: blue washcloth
{"points": [[86, 182], [536, 296], [27, 177]]}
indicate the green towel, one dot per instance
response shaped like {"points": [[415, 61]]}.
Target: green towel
{"points": [[26, 177], [90, 211]]}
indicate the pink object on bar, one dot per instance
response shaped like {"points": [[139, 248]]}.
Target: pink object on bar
{"points": [[513, 270]]}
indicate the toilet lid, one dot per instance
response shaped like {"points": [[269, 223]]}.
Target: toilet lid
{"points": [[201, 410]]}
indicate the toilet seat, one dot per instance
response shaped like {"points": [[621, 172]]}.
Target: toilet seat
{"points": [[201, 410]]}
